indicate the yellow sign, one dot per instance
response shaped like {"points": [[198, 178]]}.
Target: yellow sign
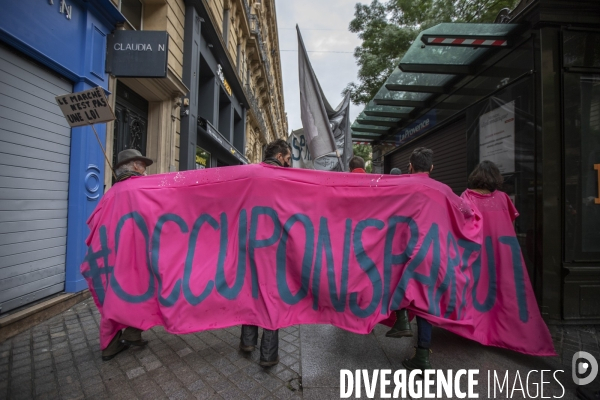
{"points": [[597, 168], [200, 160], [227, 87]]}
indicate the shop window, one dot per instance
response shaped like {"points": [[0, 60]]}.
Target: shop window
{"points": [[582, 166], [132, 10], [239, 129], [225, 116], [207, 92], [202, 158]]}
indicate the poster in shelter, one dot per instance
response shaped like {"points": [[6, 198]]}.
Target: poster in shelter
{"points": [[497, 137]]}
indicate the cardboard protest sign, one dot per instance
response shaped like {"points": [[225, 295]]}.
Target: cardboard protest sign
{"points": [[215, 248], [85, 108]]}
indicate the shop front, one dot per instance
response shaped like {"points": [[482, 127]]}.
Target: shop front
{"points": [[524, 93]]}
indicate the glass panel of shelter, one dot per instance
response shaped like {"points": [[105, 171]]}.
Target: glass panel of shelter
{"points": [[581, 49], [501, 129], [582, 166]]}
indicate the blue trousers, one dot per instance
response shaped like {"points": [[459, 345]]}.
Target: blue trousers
{"points": [[424, 333]]}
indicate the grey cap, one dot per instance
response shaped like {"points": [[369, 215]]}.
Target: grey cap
{"points": [[395, 171], [128, 155]]}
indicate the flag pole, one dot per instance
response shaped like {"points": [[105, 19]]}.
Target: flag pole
{"points": [[105, 156]]}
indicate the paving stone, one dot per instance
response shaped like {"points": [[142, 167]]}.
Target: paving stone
{"points": [[204, 394], [21, 370], [221, 384], [232, 393], [21, 363], [244, 383], [43, 378], [46, 387], [196, 385], [184, 352], [133, 373], [50, 395], [258, 392], [287, 375]]}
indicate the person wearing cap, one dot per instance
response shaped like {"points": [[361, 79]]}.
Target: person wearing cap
{"points": [[130, 163], [395, 171]]}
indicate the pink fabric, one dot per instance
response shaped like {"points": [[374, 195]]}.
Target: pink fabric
{"points": [[276, 247], [498, 213]]}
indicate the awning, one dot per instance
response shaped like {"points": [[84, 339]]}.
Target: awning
{"points": [[427, 77]]}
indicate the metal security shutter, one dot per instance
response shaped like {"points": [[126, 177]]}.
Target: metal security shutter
{"points": [[449, 147], [34, 178]]}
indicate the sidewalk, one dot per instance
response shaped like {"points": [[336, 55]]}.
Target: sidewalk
{"points": [[60, 358]]}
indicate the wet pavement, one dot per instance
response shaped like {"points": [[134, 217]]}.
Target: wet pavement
{"points": [[60, 359]]}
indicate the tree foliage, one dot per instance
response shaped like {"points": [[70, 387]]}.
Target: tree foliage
{"points": [[388, 28]]}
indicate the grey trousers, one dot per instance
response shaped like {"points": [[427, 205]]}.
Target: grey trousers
{"points": [[269, 343]]}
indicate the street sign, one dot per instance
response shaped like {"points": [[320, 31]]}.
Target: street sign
{"points": [[85, 108]]}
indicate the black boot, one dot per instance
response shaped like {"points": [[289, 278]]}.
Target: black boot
{"points": [[419, 361], [133, 337], [114, 347], [401, 327], [269, 348]]}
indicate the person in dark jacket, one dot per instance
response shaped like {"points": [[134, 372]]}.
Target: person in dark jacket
{"points": [[278, 153], [130, 163]]}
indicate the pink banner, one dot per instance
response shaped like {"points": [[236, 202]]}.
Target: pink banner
{"points": [[276, 247]]}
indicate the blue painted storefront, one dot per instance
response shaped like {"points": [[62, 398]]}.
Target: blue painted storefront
{"points": [[75, 48]]}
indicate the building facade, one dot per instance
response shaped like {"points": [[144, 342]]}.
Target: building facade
{"points": [[232, 67], [218, 102], [527, 98], [147, 109], [51, 176]]}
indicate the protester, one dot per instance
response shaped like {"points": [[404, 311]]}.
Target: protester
{"points": [[278, 153], [357, 165], [420, 164], [395, 171], [130, 163]]}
